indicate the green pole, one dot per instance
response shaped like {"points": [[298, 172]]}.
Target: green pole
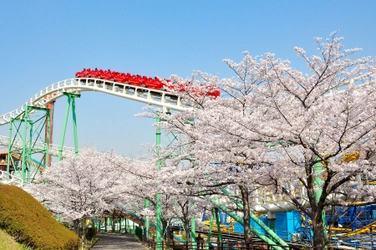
{"points": [[75, 134], [317, 171], [254, 231], [272, 234], [146, 220], [158, 198], [208, 243], [71, 100], [218, 226], [64, 129], [24, 143], [193, 233]]}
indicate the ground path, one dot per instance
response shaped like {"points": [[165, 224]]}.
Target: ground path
{"points": [[117, 242]]}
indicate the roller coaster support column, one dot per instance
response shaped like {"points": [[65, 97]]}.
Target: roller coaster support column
{"points": [[241, 221], [218, 226], [49, 130], [208, 243], [317, 171], [35, 142], [71, 101], [193, 233], [158, 200], [146, 220], [272, 234]]}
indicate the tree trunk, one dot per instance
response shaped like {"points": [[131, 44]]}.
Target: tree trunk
{"points": [[76, 226], [167, 236], [187, 233], [318, 230], [247, 223]]}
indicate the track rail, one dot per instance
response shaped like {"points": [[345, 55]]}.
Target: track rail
{"points": [[53, 148], [164, 99]]}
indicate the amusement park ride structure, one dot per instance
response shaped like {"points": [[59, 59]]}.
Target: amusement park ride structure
{"points": [[30, 137]]}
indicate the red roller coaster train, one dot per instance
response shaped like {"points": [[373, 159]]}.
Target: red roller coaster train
{"points": [[146, 82]]}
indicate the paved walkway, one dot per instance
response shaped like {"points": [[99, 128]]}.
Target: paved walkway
{"points": [[117, 242]]}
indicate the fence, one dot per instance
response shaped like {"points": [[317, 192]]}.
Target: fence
{"points": [[227, 245]]}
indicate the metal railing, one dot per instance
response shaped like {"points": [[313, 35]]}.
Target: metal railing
{"points": [[7, 178], [226, 245]]}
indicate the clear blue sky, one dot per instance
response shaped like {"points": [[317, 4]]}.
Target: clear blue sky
{"points": [[42, 42]]}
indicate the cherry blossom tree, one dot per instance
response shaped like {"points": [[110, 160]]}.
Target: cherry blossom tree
{"points": [[176, 198], [81, 186], [306, 135]]}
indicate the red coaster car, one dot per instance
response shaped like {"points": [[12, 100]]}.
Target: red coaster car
{"points": [[82, 73]]}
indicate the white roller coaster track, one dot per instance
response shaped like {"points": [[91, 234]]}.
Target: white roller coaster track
{"points": [[164, 99]]}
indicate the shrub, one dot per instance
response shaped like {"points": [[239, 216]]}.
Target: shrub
{"points": [[25, 219]]}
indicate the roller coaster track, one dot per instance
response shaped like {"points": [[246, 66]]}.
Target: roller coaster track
{"points": [[164, 99], [53, 148], [366, 229]]}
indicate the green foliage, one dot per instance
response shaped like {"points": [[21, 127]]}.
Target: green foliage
{"points": [[29, 223]]}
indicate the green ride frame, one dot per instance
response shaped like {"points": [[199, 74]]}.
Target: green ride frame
{"points": [[29, 140]]}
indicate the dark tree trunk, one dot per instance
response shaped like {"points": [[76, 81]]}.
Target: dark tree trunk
{"points": [[246, 209], [318, 230], [76, 226]]}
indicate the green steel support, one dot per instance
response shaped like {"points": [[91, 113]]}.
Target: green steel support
{"points": [[317, 171], [74, 122], [257, 233], [218, 226], [97, 224], [34, 147], [146, 220], [193, 233], [208, 242], [24, 144], [158, 198], [71, 103], [159, 229], [272, 234]]}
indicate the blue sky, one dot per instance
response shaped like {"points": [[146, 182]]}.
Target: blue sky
{"points": [[42, 42]]}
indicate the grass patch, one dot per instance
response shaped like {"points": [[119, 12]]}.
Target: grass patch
{"points": [[8, 243], [29, 223]]}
